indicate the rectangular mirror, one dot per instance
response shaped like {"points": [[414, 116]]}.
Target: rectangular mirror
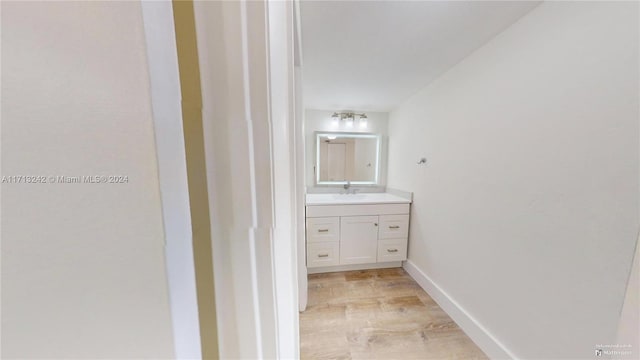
{"points": [[342, 157]]}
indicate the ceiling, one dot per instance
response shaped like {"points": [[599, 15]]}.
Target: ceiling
{"points": [[372, 55]]}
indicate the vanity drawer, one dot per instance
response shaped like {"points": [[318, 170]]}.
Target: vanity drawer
{"points": [[323, 229], [394, 227], [392, 250], [323, 254]]}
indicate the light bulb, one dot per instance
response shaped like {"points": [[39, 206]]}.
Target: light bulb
{"points": [[363, 121], [335, 121], [349, 121]]}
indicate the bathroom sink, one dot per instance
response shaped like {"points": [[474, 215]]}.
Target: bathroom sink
{"points": [[349, 197], [353, 199]]}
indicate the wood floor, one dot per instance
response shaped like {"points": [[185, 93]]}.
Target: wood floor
{"points": [[377, 314]]}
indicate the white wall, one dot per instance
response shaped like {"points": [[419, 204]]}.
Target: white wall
{"points": [[320, 120], [526, 214], [83, 271]]}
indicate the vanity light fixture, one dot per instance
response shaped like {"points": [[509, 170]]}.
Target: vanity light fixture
{"points": [[349, 119]]}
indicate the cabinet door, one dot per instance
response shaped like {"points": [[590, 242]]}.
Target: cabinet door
{"points": [[358, 239]]}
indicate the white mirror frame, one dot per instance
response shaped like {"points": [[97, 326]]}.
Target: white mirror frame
{"points": [[378, 138]]}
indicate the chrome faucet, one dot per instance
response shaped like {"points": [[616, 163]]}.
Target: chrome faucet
{"points": [[348, 189]]}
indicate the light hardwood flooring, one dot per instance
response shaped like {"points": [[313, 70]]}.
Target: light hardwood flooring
{"points": [[377, 314]]}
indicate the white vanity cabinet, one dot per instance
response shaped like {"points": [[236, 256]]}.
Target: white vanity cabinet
{"points": [[350, 232]]}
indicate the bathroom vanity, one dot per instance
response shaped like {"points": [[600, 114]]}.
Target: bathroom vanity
{"points": [[356, 231]]}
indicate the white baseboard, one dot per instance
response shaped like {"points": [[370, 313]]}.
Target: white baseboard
{"points": [[325, 269], [483, 338]]}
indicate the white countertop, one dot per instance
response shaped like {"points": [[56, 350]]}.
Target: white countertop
{"points": [[355, 199]]}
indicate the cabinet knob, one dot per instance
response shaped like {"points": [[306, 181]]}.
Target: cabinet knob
{"points": [[394, 227], [325, 255], [323, 230], [375, 224], [392, 250]]}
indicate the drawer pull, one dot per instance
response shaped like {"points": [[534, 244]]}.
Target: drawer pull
{"points": [[392, 250], [394, 226], [325, 255], [323, 230]]}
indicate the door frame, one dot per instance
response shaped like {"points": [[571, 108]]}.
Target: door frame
{"points": [[245, 54]]}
